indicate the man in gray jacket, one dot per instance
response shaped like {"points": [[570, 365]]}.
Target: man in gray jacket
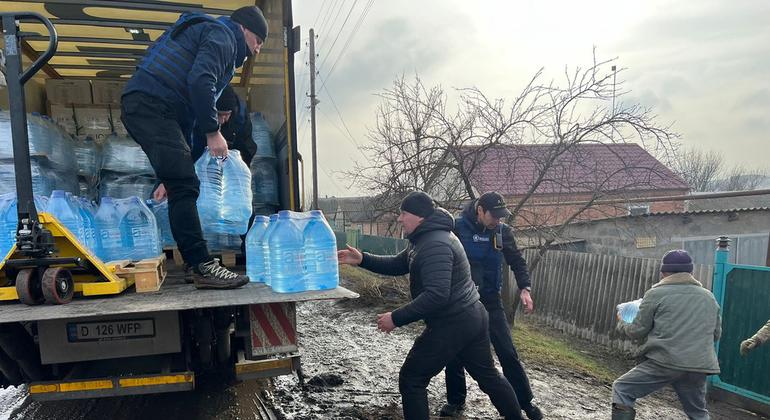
{"points": [[678, 321]]}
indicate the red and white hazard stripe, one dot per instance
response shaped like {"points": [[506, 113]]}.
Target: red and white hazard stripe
{"points": [[273, 328]]}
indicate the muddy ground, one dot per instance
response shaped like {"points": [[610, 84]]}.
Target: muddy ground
{"points": [[351, 370], [342, 347]]}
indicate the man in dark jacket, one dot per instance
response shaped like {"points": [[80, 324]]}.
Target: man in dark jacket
{"points": [[487, 241], [175, 87], [234, 124], [443, 295]]}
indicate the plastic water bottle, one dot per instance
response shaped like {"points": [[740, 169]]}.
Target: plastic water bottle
{"points": [[138, 229], [8, 223], [321, 268], [160, 210], [255, 252], [286, 255], [236, 195], [62, 208], [262, 136], [628, 310], [264, 181], [107, 221], [209, 171], [266, 246], [87, 218]]}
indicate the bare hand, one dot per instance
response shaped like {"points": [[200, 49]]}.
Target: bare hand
{"points": [[350, 256], [747, 346], [526, 300], [160, 193], [385, 322], [217, 144]]}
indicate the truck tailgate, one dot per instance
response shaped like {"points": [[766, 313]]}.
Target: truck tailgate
{"points": [[175, 295]]}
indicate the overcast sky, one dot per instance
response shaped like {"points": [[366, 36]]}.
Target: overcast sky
{"points": [[703, 65]]}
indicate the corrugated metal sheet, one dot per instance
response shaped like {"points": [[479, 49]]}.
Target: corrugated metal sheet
{"points": [[746, 307]]}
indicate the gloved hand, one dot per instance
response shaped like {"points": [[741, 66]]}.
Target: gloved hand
{"points": [[748, 345]]}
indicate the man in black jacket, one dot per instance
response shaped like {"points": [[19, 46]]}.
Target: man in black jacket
{"points": [[444, 296], [487, 241]]}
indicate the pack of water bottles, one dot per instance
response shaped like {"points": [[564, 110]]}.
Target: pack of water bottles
{"points": [[52, 159], [125, 170], [118, 229], [224, 201], [292, 252], [264, 175]]}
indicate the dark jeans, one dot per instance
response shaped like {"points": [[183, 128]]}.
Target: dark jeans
{"points": [[156, 127], [500, 335], [465, 337]]}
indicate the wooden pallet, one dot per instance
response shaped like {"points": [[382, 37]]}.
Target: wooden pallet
{"points": [[147, 274], [228, 258]]}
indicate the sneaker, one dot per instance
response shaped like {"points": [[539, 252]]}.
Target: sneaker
{"points": [[533, 412], [211, 275], [451, 410]]}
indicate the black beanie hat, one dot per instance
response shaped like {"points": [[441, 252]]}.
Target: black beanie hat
{"points": [[252, 19], [418, 203], [676, 261], [228, 100]]}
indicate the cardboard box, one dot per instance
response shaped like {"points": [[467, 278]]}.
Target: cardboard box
{"points": [[108, 92], [64, 115], [95, 121], [67, 91], [34, 96]]}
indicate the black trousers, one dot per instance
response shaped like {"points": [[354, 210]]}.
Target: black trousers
{"points": [[464, 337], [156, 126], [500, 335]]}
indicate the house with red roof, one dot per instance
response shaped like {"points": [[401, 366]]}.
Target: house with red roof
{"points": [[554, 181]]}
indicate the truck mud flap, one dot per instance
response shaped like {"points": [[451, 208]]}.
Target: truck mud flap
{"points": [[111, 387], [272, 329]]}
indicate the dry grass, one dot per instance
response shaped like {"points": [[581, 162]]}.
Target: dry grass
{"points": [[374, 289]]}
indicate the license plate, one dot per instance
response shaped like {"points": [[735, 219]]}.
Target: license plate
{"points": [[111, 330]]}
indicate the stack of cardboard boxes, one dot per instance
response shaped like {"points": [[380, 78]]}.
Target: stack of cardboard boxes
{"points": [[86, 108]]}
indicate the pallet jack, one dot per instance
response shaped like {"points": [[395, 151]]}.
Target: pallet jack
{"points": [[47, 263]]}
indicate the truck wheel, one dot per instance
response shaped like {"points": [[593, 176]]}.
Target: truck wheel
{"points": [[204, 336], [223, 345], [28, 287], [58, 287]]}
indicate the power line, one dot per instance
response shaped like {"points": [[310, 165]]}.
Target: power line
{"points": [[339, 114], [352, 35], [319, 13], [339, 32]]}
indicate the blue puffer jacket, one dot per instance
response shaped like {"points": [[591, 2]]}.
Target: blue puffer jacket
{"points": [[189, 65]]}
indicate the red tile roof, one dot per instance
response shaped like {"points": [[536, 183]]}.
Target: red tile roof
{"points": [[511, 170]]}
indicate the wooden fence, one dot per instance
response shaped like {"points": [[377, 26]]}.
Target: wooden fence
{"points": [[577, 292]]}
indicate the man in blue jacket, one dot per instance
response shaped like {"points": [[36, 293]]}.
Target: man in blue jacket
{"points": [[487, 241], [175, 88]]}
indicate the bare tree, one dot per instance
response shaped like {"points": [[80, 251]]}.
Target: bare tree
{"points": [[707, 171], [739, 178], [417, 143], [699, 168]]}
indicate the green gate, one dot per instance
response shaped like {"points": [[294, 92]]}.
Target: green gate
{"points": [[743, 293]]}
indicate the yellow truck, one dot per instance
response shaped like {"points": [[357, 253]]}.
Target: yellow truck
{"points": [[130, 343]]}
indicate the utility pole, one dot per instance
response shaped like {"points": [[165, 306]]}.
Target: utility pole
{"points": [[313, 102]]}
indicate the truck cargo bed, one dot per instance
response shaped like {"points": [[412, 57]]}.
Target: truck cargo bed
{"points": [[175, 295]]}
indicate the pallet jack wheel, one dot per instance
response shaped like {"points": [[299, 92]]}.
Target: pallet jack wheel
{"points": [[58, 287], [28, 287]]}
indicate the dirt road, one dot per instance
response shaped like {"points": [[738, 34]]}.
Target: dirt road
{"points": [[359, 364]]}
